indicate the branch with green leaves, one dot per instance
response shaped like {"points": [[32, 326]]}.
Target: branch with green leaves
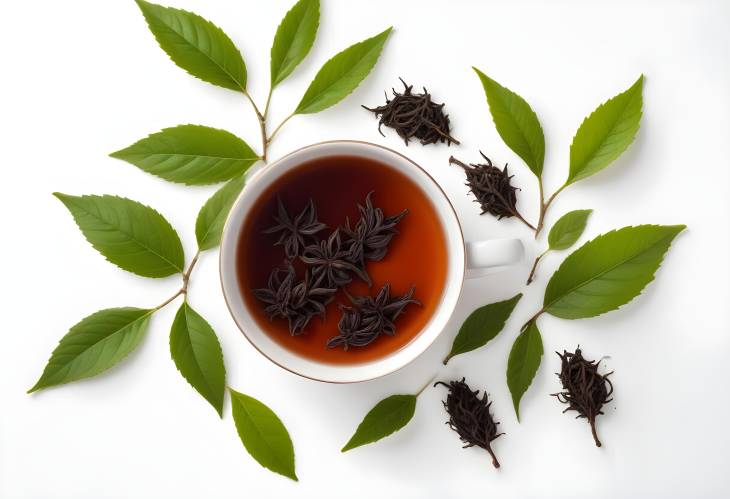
{"points": [[602, 137], [138, 239]]}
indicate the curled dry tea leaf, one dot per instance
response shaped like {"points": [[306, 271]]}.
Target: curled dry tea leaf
{"points": [[584, 389], [294, 39], [197, 353], [129, 234], [263, 434], [329, 264], [470, 418], [190, 154], [608, 272], [339, 76], [196, 45], [606, 133], [295, 233], [414, 115], [516, 123], [481, 326], [563, 235], [371, 317], [94, 345], [212, 216], [524, 360]]}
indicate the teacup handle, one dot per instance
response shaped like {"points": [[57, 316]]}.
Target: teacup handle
{"points": [[485, 257]]}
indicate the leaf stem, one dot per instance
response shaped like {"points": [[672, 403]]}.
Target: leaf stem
{"points": [[532, 319], [185, 280], [534, 266], [544, 205], [262, 123], [276, 130], [426, 385]]}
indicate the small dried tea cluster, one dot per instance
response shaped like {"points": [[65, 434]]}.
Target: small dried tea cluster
{"points": [[414, 115], [584, 389], [469, 416], [362, 324], [491, 187], [330, 264]]}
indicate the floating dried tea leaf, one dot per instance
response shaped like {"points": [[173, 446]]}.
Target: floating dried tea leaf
{"points": [[414, 115], [330, 263], [297, 302], [362, 324], [492, 188], [469, 416], [370, 237], [584, 389], [295, 232]]}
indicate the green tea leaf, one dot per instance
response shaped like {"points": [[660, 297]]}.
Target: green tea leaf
{"points": [[213, 214], [342, 74], [190, 154], [524, 360], [482, 325], [263, 434], [568, 229], [516, 123], [198, 356], [196, 45], [608, 272], [94, 345], [129, 234], [606, 133], [388, 416], [294, 39]]}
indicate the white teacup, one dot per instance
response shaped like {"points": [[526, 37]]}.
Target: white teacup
{"points": [[473, 257]]}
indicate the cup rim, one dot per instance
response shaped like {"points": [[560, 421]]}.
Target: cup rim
{"points": [[458, 279]]}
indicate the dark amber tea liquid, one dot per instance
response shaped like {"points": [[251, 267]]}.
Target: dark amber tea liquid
{"points": [[416, 256]]}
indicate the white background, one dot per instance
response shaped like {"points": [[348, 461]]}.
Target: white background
{"points": [[84, 78]]}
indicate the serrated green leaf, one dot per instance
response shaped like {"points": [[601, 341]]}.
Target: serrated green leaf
{"points": [[608, 272], [516, 123], [342, 74], [129, 234], [294, 39], [388, 416], [198, 356], [190, 154], [196, 45], [94, 345], [482, 325], [263, 434], [568, 229], [212, 216], [523, 363], [606, 133]]}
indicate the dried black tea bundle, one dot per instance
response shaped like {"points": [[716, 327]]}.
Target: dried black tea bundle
{"points": [[295, 301], [492, 188], [469, 416], [369, 318], [295, 232], [371, 235], [332, 263], [584, 389], [414, 115]]}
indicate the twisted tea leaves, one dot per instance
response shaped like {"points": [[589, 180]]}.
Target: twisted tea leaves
{"points": [[371, 235], [414, 115], [295, 232], [584, 389], [331, 263], [297, 302], [491, 187], [469, 416], [369, 318]]}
